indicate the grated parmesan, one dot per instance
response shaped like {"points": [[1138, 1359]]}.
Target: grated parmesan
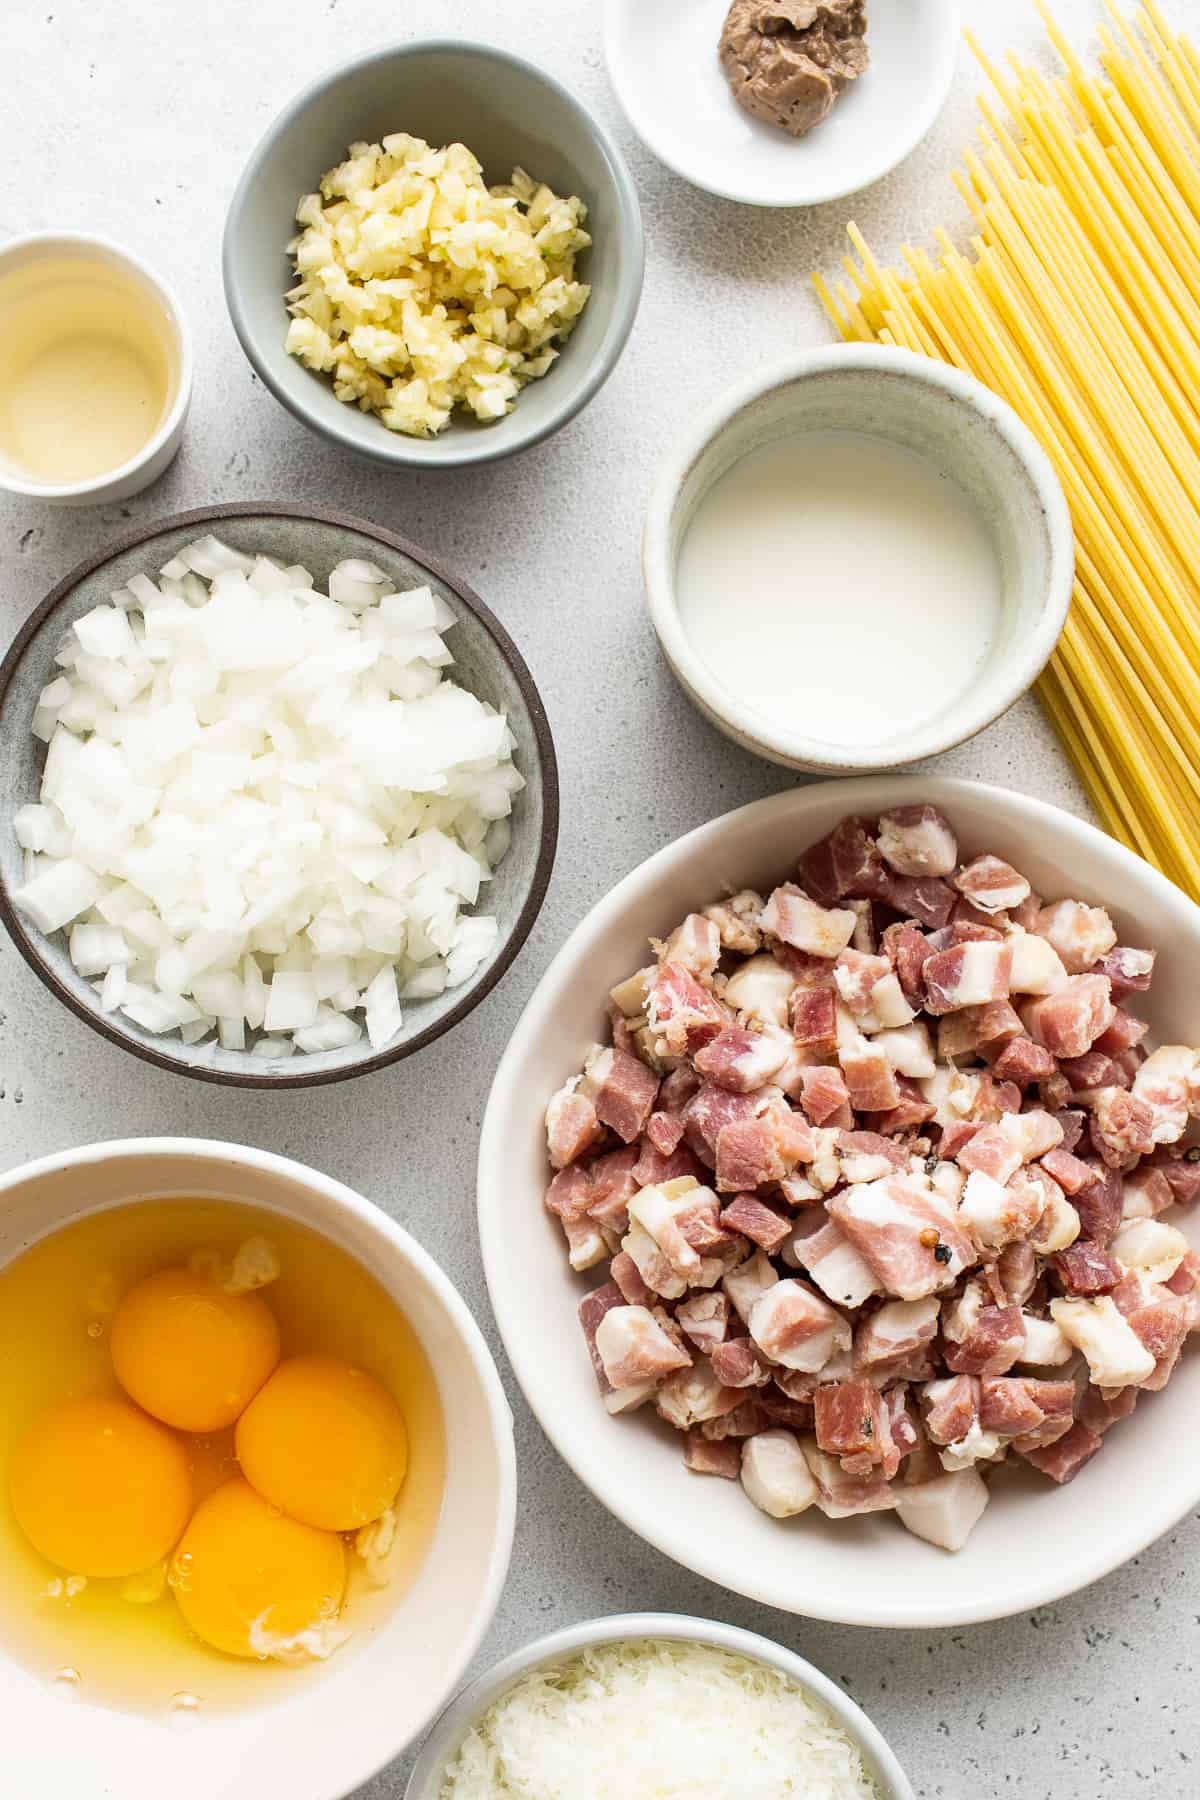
{"points": [[657, 1720]]}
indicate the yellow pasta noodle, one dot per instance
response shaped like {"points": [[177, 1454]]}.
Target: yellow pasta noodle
{"points": [[1079, 301]]}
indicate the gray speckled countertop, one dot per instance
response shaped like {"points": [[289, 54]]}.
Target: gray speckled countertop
{"points": [[133, 117]]}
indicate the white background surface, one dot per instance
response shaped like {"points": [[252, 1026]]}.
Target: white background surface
{"points": [[133, 118]]}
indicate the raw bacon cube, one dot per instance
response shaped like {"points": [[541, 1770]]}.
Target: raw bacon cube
{"points": [[794, 919], [967, 974], [991, 884], [917, 840]]}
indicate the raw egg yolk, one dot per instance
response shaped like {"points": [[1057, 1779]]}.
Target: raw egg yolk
{"points": [[100, 1489], [325, 1443], [189, 1353], [253, 1583]]}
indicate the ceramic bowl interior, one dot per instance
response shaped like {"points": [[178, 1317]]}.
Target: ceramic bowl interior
{"points": [[467, 1708], [486, 661], [1036, 1542], [508, 113], [970, 437], [344, 1721]]}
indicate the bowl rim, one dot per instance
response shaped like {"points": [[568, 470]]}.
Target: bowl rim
{"points": [[494, 1198], [28, 941], [924, 118], [414, 1254], [1027, 656], [456, 1719], [95, 487], [395, 449]]}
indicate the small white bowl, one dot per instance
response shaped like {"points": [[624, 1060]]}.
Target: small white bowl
{"points": [[465, 1711], [962, 429], [663, 63], [1036, 1543], [155, 455], [342, 1723]]}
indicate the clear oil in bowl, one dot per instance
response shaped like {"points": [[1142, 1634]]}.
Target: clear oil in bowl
{"points": [[89, 367]]}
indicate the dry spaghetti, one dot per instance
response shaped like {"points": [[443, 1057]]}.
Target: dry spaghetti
{"points": [[1080, 303]]}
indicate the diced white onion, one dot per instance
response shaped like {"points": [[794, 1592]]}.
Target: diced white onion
{"points": [[264, 808]]}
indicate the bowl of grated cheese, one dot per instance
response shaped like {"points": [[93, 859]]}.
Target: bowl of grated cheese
{"points": [[655, 1706]]}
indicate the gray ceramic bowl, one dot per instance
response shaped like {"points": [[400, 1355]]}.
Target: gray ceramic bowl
{"points": [[486, 661], [507, 112], [468, 1707]]}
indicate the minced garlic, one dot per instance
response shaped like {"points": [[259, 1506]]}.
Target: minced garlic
{"points": [[421, 289]]}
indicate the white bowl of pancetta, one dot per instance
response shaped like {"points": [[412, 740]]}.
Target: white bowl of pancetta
{"points": [[835, 1201]]}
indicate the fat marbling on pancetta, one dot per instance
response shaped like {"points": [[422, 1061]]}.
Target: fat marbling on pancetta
{"points": [[875, 1168]]}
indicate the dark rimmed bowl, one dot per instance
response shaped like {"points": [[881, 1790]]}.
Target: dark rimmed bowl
{"points": [[486, 661], [508, 112]]}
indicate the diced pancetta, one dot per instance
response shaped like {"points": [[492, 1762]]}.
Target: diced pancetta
{"points": [[660, 1212], [613, 1185], [793, 1325], [1037, 968], [1059, 1225], [1150, 1247], [748, 1282], [1125, 1033], [708, 1112], [1023, 1062], [1070, 1172], [841, 1494], [692, 1396], [1082, 935], [703, 1457], [925, 898], [1144, 1194], [895, 1337], [794, 919], [981, 1338], [1045, 1346], [1085, 1269], [1122, 1128], [917, 840], [1157, 1317], [680, 1012], [571, 1125], [1036, 1413], [907, 1232], [695, 945], [1068, 1022], [998, 1213], [968, 974], [823, 1092], [592, 1309], [1063, 1459], [1169, 1083], [630, 996], [736, 920], [633, 1347], [999, 1150], [1101, 1411], [625, 1274], [776, 1475], [951, 1407], [1016, 1267], [991, 884], [1181, 1170], [944, 1510], [763, 1148], [652, 1168], [908, 950], [664, 1130], [836, 1266], [761, 991], [755, 1220], [738, 1363], [1116, 1357], [1130, 971], [742, 1060], [849, 1421], [868, 1074], [1099, 1204]]}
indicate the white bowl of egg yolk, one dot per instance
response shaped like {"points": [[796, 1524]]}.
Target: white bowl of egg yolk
{"points": [[257, 1479]]}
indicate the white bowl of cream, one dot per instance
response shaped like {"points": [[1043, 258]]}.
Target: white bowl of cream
{"points": [[857, 559]]}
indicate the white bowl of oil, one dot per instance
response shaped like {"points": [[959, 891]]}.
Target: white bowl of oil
{"points": [[95, 370], [151, 1708]]}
